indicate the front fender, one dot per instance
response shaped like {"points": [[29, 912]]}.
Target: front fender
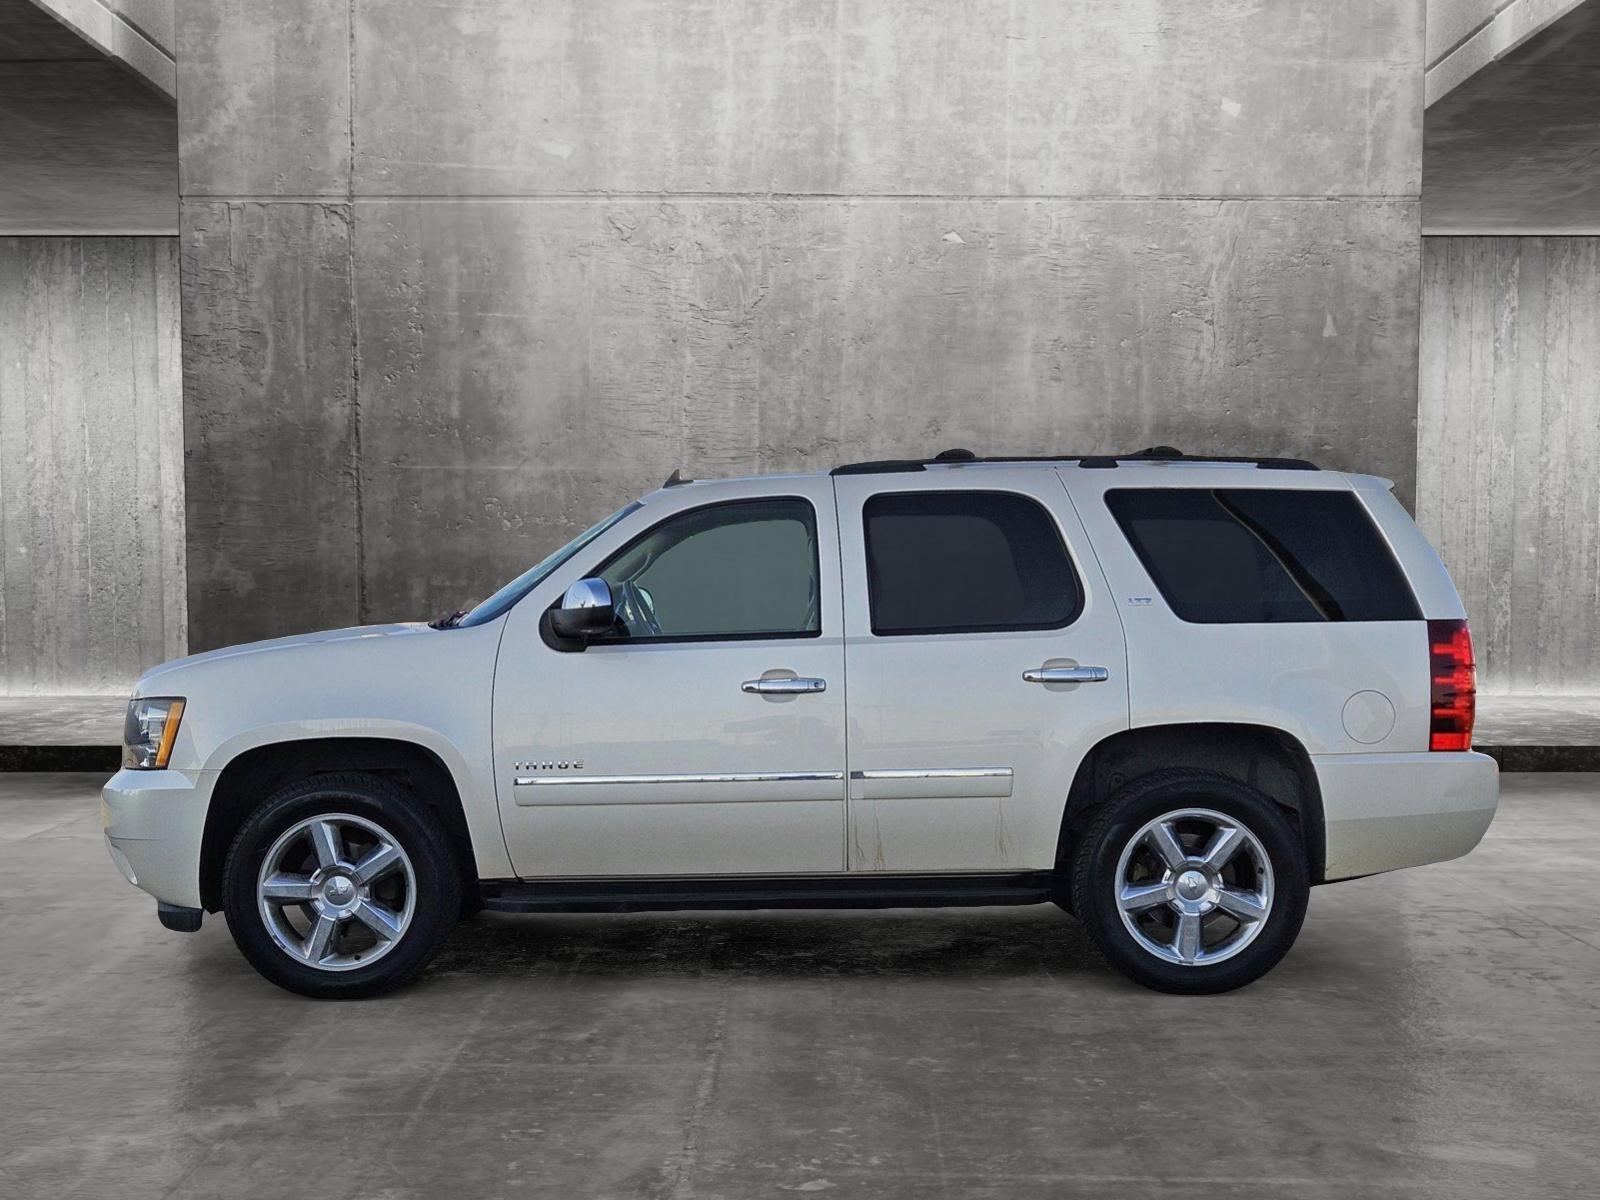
{"points": [[426, 687], [474, 786]]}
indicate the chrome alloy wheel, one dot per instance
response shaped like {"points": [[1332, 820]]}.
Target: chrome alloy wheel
{"points": [[1194, 887], [336, 892]]}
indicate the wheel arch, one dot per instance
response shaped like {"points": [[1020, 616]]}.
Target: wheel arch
{"points": [[256, 773], [1271, 760]]}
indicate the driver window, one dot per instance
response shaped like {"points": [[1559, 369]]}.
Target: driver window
{"points": [[741, 570]]}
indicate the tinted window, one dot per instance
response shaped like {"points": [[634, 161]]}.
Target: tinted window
{"points": [[1249, 555], [965, 562], [747, 569]]}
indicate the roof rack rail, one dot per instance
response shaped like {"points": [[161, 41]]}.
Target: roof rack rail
{"points": [[882, 466], [1152, 454]]}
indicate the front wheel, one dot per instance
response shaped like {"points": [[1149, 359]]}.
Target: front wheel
{"points": [[1191, 882], [341, 887]]}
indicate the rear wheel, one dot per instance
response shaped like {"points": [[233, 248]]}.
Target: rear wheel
{"points": [[1191, 882], [341, 886]]}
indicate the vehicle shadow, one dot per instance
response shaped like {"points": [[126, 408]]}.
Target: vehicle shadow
{"points": [[998, 943]]}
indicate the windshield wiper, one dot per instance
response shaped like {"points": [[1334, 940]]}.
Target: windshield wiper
{"points": [[449, 621]]}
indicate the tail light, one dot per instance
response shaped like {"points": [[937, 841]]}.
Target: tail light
{"points": [[1454, 685]]}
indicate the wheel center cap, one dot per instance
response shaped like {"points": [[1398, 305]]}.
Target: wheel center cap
{"points": [[338, 890], [1193, 885]]}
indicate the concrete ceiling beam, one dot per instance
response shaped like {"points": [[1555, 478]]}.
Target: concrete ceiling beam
{"points": [[1465, 36], [136, 33]]}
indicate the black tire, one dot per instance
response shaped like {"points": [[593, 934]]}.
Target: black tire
{"points": [[1094, 879], [413, 826]]}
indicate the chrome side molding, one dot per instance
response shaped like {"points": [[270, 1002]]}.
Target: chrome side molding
{"points": [[935, 773], [729, 777], [930, 783]]}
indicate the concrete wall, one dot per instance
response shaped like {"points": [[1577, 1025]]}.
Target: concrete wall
{"points": [[91, 473], [459, 280], [1509, 425]]}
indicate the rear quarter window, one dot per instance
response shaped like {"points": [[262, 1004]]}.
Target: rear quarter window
{"points": [[1263, 555]]}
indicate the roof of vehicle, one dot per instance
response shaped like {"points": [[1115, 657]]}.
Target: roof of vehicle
{"points": [[1153, 455]]}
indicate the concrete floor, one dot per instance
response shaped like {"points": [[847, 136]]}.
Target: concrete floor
{"points": [[1436, 1033]]}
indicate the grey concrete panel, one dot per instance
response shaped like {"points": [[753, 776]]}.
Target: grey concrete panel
{"points": [[1468, 36], [1513, 150], [911, 225], [1038, 97], [1430, 1036], [91, 470], [264, 97], [136, 33], [1564, 720], [268, 420], [155, 19], [85, 148], [1509, 426], [526, 368], [56, 720], [29, 34], [1452, 22]]}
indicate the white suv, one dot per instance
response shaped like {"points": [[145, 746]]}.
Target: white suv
{"points": [[1167, 693]]}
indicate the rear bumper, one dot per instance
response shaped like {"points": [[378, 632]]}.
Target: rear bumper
{"points": [[1386, 811], [154, 822]]}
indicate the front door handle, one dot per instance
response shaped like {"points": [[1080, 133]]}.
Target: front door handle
{"points": [[784, 687], [1067, 675]]}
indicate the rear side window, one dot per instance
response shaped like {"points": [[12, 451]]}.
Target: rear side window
{"points": [[965, 562], [1257, 555]]}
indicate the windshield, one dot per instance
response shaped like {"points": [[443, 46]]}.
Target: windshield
{"points": [[519, 587]]}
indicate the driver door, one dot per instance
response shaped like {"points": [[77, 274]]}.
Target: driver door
{"points": [[674, 746]]}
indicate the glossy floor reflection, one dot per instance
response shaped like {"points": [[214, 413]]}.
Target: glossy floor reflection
{"points": [[1435, 1033]]}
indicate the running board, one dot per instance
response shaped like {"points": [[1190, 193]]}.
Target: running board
{"points": [[810, 891]]}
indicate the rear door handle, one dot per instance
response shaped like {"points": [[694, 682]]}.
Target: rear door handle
{"points": [[1067, 675], [784, 687]]}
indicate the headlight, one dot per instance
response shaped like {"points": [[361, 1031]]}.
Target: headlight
{"points": [[149, 730]]}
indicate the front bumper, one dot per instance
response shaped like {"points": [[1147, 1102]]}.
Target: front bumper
{"points": [[1386, 811], [154, 822]]}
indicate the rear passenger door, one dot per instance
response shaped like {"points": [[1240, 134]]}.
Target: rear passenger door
{"points": [[983, 659]]}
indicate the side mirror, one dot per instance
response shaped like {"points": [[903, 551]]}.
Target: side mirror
{"points": [[584, 611]]}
